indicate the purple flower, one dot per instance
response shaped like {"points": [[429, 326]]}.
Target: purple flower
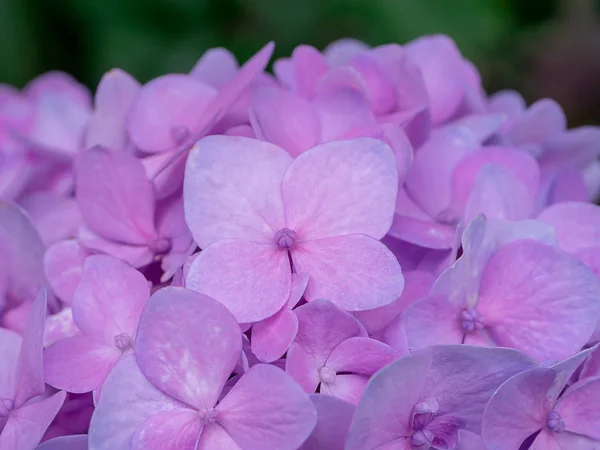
{"points": [[187, 347], [249, 209], [423, 400], [534, 403]]}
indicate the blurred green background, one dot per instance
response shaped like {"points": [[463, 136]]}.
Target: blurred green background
{"points": [[542, 48]]}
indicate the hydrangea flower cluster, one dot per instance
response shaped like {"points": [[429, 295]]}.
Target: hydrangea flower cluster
{"points": [[362, 251]]}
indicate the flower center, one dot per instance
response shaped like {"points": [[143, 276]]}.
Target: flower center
{"points": [[554, 422], [285, 238], [208, 416], [422, 439], [123, 341], [423, 413], [470, 320], [327, 375], [160, 246]]}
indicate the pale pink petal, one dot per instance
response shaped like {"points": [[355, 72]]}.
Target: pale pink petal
{"points": [[355, 272], [578, 408], [353, 190], [267, 409], [73, 442], [538, 299], [322, 327], [30, 373], [498, 194], [26, 425], [519, 163], [539, 123], [135, 255], [517, 409], [309, 66], [79, 364], [380, 85], [433, 320], [302, 367], [361, 355], [441, 65], [166, 112], [340, 52], [469, 441], [165, 170], [333, 422], [232, 189], [115, 94], [60, 326], [63, 263], [169, 430], [564, 371], [229, 267], [127, 401], [55, 217], [10, 345], [215, 437], [187, 345], [215, 67], [383, 414], [21, 245], [564, 441], [417, 286], [108, 309], [115, 197], [284, 119], [272, 337], [347, 387]]}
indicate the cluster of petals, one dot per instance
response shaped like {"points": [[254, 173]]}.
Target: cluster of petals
{"points": [[362, 250]]}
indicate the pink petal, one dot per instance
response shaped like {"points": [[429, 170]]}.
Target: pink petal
{"points": [[547, 440], [10, 345], [333, 422], [284, 119], [309, 66], [302, 367], [26, 425], [538, 299], [347, 387], [272, 337], [166, 112], [417, 286], [267, 409], [115, 197], [340, 52], [322, 327], [361, 355], [79, 364], [221, 271], [30, 373], [380, 85], [59, 326], [74, 442], [519, 163], [355, 272], [115, 94], [63, 263], [498, 194], [540, 122], [383, 413], [165, 170], [106, 309], [170, 430], [342, 200], [134, 255], [215, 437], [342, 106], [215, 67], [517, 409], [441, 65], [578, 408], [62, 109], [55, 217], [21, 245], [565, 370], [232, 189], [127, 401], [470, 441], [508, 102], [187, 345], [463, 378]]}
